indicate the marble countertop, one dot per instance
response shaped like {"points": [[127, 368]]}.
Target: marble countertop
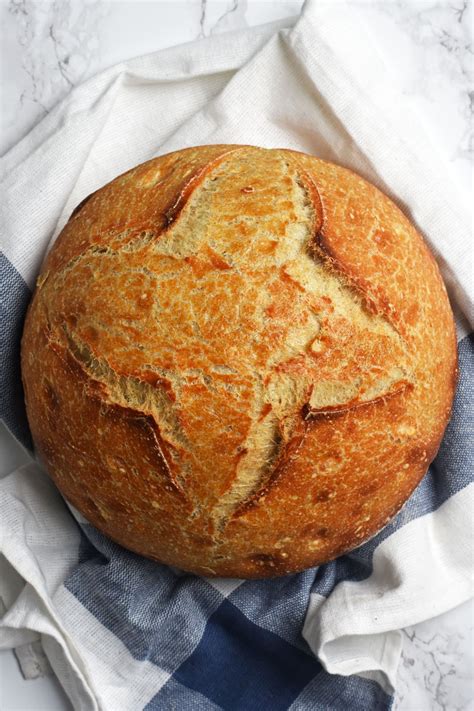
{"points": [[51, 46]]}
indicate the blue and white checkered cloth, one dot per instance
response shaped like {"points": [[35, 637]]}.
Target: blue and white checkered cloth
{"points": [[123, 633]]}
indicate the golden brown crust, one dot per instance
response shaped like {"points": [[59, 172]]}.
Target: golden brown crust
{"points": [[238, 361]]}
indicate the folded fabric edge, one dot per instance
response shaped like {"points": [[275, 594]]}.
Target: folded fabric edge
{"points": [[367, 638], [32, 660], [43, 629], [138, 68], [377, 656], [30, 608]]}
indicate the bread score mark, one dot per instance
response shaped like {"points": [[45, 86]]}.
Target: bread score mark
{"points": [[173, 211], [375, 302], [272, 440], [118, 394], [398, 388], [318, 248]]}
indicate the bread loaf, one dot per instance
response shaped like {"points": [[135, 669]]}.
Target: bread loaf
{"points": [[238, 361]]}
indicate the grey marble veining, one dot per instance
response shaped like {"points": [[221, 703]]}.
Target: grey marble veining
{"points": [[431, 52], [214, 19], [52, 45], [436, 669], [49, 47]]}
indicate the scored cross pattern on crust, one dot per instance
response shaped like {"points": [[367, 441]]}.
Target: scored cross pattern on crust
{"points": [[218, 325]]}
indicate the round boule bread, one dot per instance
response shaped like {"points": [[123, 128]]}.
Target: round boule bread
{"points": [[238, 361]]}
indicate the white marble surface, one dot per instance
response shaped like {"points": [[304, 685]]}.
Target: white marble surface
{"points": [[436, 669], [48, 47]]}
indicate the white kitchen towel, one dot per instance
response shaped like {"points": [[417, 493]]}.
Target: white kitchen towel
{"points": [[122, 632]]}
